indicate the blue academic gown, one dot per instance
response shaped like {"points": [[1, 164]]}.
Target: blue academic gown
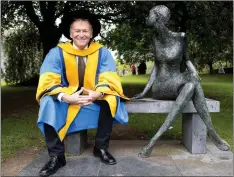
{"points": [[54, 113]]}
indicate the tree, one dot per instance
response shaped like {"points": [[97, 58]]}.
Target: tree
{"points": [[132, 38], [43, 15], [24, 54], [211, 32], [130, 42], [208, 26]]}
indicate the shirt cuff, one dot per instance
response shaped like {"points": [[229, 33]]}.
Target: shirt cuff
{"points": [[60, 96]]}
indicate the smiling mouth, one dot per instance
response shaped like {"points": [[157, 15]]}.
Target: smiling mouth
{"points": [[82, 39]]}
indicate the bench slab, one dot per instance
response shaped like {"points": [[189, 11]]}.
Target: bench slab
{"points": [[149, 105], [194, 131]]}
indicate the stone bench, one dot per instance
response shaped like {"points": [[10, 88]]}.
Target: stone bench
{"points": [[193, 129]]}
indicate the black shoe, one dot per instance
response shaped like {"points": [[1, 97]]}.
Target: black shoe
{"points": [[105, 156], [52, 166]]}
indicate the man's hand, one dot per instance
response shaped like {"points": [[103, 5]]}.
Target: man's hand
{"points": [[94, 94], [77, 98]]}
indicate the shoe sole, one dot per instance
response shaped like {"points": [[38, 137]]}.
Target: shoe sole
{"points": [[96, 155]]}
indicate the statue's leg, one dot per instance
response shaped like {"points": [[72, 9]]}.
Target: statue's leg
{"points": [[182, 99], [201, 107]]}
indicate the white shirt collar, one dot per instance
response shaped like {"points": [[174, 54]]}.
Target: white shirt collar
{"points": [[78, 49]]}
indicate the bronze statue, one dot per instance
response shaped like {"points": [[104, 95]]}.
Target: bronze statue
{"points": [[169, 82]]}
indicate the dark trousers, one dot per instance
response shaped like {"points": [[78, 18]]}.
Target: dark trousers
{"points": [[104, 130]]}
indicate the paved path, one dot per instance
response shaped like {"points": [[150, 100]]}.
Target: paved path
{"points": [[169, 158]]}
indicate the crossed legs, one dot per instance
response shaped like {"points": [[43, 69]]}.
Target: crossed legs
{"points": [[188, 92]]}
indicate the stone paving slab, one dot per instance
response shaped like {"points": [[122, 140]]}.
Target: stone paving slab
{"points": [[91, 166], [168, 158], [85, 166], [132, 166]]}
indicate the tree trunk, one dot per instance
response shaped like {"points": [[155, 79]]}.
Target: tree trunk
{"points": [[184, 18], [210, 64], [50, 36]]}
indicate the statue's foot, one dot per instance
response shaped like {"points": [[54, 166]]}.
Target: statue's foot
{"points": [[220, 143], [223, 146], [144, 153]]}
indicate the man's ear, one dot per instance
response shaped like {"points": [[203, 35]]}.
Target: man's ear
{"points": [[92, 34]]}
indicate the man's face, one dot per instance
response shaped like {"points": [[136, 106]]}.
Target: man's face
{"points": [[81, 33]]}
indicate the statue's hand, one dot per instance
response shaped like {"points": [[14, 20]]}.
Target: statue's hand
{"points": [[196, 76], [138, 96]]}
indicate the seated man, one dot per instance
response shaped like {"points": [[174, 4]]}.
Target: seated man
{"points": [[79, 89]]}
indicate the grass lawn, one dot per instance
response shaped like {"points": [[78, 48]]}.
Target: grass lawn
{"points": [[20, 109]]}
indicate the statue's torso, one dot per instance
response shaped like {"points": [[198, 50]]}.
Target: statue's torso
{"points": [[168, 57], [170, 51]]}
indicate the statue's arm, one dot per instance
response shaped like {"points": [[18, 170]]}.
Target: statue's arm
{"points": [[148, 85], [189, 65]]}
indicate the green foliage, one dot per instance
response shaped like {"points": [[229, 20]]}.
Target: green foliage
{"points": [[211, 34], [208, 26], [43, 14], [23, 54], [133, 46], [12, 14]]}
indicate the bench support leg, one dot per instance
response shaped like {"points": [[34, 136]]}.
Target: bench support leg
{"points": [[194, 133], [76, 142]]}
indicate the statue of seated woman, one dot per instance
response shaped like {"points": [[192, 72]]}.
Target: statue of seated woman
{"points": [[170, 82]]}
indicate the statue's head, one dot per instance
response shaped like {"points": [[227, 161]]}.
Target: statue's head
{"points": [[158, 14]]}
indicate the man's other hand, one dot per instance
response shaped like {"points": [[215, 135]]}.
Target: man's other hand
{"points": [[94, 94], [77, 98]]}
